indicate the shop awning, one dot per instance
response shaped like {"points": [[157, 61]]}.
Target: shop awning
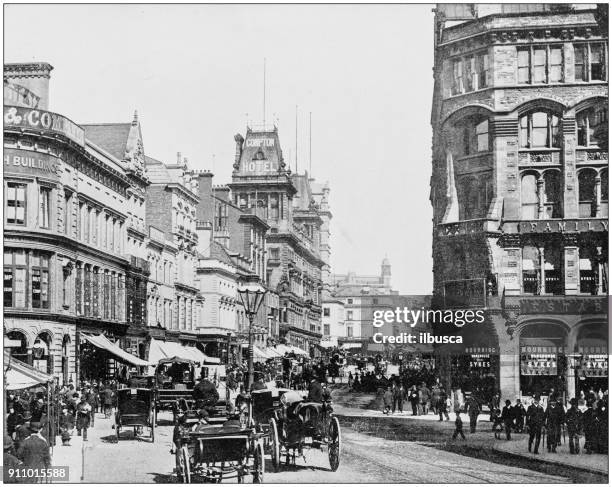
{"points": [[160, 350], [299, 351], [19, 375], [273, 353], [261, 354], [346, 346], [283, 349], [104, 343]]}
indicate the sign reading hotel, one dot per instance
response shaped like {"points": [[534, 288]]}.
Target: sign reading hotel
{"points": [[31, 163], [43, 120], [258, 163]]}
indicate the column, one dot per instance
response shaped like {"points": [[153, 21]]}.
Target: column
{"points": [[571, 264], [542, 289], [121, 297], [541, 197], [598, 196], [599, 260]]}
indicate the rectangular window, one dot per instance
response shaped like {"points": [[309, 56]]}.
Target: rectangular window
{"points": [[470, 73], [87, 292], [15, 203], [349, 330], [580, 57], [597, 62], [539, 65], [274, 210], [325, 311], [482, 136], [44, 214], [482, 67], [556, 65], [67, 213], [326, 329], [8, 287], [78, 289], [457, 86], [349, 315], [523, 65], [39, 279], [539, 133]]}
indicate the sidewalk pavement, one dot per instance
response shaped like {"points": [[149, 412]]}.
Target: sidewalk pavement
{"points": [[596, 463], [518, 447]]}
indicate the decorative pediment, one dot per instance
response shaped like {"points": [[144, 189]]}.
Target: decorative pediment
{"points": [[134, 148]]}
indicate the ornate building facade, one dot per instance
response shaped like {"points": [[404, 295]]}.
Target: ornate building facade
{"points": [[519, 195], [261, 182]]}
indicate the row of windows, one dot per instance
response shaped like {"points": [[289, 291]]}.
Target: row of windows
{"points": [[542, 271], [535, 65], [98, 293], [271, 204], [93, 225], [26, 279], [538, 130]]}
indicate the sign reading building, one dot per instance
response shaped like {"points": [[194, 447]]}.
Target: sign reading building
{"points": [[42, 120], [31, 163]]}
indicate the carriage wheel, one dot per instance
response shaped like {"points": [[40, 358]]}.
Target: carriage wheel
{"points": [[258, 464], [274, 445], [184, 472], [334, 444]]}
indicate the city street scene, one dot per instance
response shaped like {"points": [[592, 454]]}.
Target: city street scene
{"points": [[306, 243]]}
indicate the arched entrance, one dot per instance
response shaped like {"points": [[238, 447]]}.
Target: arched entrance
{"points": [[21, 352], [543, 366], [42, 358], [592, 354]]}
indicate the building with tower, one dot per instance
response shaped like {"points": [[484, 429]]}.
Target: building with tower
{"points": [[519, 191], [262, 182]]}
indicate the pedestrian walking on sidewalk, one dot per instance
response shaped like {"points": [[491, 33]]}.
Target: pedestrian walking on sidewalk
{"points": [[66, 425], [536, 417], [555, 417], [498, 423], [573, 418], [507, 417], [414, 400], [92, 399], [107, 394], [519, 416], [34, 451], [458, 426], [387, 401], [473, 409], [398, 397], [83, 417], [442, 407]]}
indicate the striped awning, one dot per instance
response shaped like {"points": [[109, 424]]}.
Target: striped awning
{"points": [[104, 343], [19, 375]]}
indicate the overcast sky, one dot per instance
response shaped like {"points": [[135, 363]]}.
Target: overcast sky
{"points": [[194, 72]]}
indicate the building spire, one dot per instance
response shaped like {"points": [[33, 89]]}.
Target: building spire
{"points": [[135, 121]]}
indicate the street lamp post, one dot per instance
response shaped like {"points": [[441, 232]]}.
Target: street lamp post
{"points": [[251, 294]]}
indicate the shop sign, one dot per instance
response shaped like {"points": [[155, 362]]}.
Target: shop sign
{"points": [[563, 226], [594, 366], [539, 364], [462, 228], [564, 305], [260, 142], [31, 163], [43, 120], [15, 94], [260, 167]]}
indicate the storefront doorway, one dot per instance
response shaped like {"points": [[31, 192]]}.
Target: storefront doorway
{"points": [[592, 363]]}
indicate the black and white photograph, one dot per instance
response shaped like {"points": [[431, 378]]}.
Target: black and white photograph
{"points": [[305, 243]]}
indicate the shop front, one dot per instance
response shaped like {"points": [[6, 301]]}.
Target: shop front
{"points": [[543, 360], [590, 359]]}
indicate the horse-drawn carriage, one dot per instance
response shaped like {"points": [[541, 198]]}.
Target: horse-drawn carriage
{"points": [[291, 425], [215, 453], [135, 409]]}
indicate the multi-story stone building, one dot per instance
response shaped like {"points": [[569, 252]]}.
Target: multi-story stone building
{"points": [[262, 182], [232, 246], [65, 228], [171, 203], [519, 192]]}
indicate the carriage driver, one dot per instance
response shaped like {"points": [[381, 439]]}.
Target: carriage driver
{"points": [[205, 393]]}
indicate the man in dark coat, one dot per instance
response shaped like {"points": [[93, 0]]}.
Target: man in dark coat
{"points": [[441, 406], [589, 421], [555, 417], [205, 393], [315, 391], [519, 416], [92, 399], [83, 418], [413, 397], [398, 397], [536, 418], [473, 409], [10, 461], [507, 417], [602, 426], [66, 425], [34, 450], [108, 396], [573, 418]]}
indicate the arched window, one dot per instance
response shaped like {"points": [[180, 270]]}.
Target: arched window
{"points": [[66, 359], [529, 197], [586, 193], [591, 125], [539, 130]]}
